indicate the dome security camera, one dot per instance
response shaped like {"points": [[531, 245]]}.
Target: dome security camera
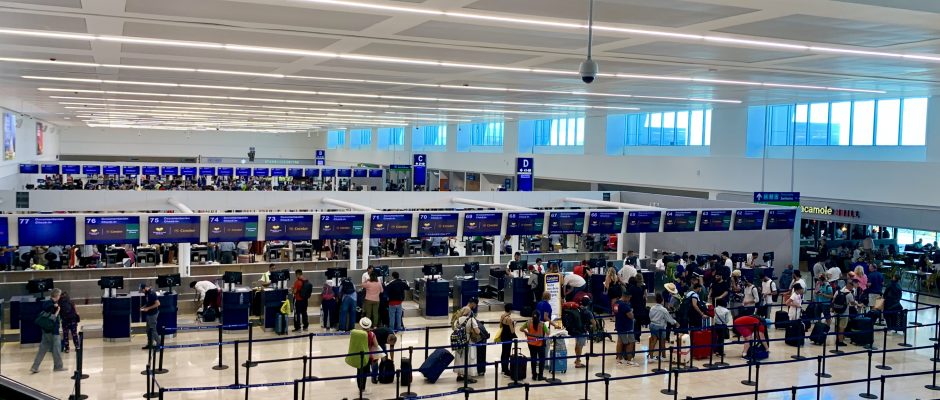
{"points": [[588, 71]]}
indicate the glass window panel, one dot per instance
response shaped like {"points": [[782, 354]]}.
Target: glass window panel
{"points": [[708, 127], [632, 131], [889, 118], [682, 128], [656, 128], [840, 123], [905, 236], [697, 126], [780, 124], [579, 128], [914, 122], [863, 123], [818, 124], [800, 119], [669, 129]]}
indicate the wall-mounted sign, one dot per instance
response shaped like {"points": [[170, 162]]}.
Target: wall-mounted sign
{"points": [[835, 212], [525, 176], [420, 165], [791, 199]]}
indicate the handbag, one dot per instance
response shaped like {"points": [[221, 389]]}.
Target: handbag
{"points": [[879, 304], [46, 321]]}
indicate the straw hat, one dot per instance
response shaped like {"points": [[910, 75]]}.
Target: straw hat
{"points": [[365, 323], [671, 288]]}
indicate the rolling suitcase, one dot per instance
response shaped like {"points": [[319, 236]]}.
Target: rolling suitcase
{"points": [[517, 367], [386, 371], [682, 355], [818, 335], [481, 360], [780, 319], [560, 363], [702, 344], [862, 331], [406, 371], [280, 324], [793, 334], [435, 364]]}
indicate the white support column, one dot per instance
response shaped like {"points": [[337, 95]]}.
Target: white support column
{"points": [[497, 248], [184, 266], [642, 250], [514, 244], [366, 246], [621, 237], [353, 253]]}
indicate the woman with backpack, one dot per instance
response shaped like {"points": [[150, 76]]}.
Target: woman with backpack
{"points": [[466, 329], [327, 305], [70, 320]]}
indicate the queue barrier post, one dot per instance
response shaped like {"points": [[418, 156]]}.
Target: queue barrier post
{"points": [[304, 377], [936, 324], [792, 392], [80, 356], [756, 380], [553, 380], [296, 389], [362, 361], [819, 375], [606, 388], [427, 341], [882, 390], [512, 365], [668, 390], [587, 367], [905, 343], [78, 376], [309, 371], [409, 393], [603, 373], [466, 370], [916, 303], [150, 394], [868, 394], [526, 391], [249, 363], [750, 371], [675, 392], [721, 361], [160, 370], [798, 355], [821, 368], [496, 382], [884, 351], [936, 355], [236, 362], [220, 366]]}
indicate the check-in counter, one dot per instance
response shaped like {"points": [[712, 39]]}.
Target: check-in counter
{"points": [[116, 316], [235, 308]]}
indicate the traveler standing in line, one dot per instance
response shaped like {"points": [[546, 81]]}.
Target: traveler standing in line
{"points": [[660, 320], [362, 341], [396, 296], [750, 299], [841, 303], [613, 286], [370, 305], [535, 332], [543, 309], [507, 332], [328, 305], [641, 317], [70, 320], [302, 290], [465, 360], [795, 302], [150, 310], [626, 342], [48, 321], [822, 298]]}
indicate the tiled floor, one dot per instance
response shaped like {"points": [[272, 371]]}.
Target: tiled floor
{"points": [[115, 371]]}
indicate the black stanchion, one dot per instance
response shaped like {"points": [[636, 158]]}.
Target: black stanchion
{"points": [[236, 362], [309, 373], [304, 376], [496, 382], [792, 392], [916, 304], [526, 391], [606, 388], [721, 361], [882, 390], [836, 351], [675, 393], [296, 389], [362, 358], [78, 376], [711, 356], [162, 391], [868, 394], [603, 373], [553, 380], [756, 380], [748, 381], [397, 384], [160, 370], [409, 393], [672, 368], [150, 394], [147, 368], [79, 354], [905, 343], [819, 376], [220, 366], [936, 355], [427, 341], [249, 363], [587, 367], [659, 361], [798, 356], [821, 369], [884, 352], [466, 371]]}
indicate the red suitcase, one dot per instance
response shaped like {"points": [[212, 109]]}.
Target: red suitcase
{"points": [[701, 344]]}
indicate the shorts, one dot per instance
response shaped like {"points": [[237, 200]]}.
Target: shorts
{"points": [[659, 332], [580, 341], [873, 298], [842, 322], [626, 337]]}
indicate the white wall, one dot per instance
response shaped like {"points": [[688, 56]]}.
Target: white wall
{"points": [[160, 143], [26, 148]]}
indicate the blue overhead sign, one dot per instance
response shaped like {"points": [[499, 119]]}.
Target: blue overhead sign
{"points": [[420, 165], [525, 178], [777, 197]]}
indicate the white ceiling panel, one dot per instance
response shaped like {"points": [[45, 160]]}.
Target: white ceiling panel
{"points": [[443, 53], [500, 36], [37, 42], [672, 13], [20, 20], [54, 3], [834, 30], [887, 68], [219, 35], [914, 5], [704, 52], [199, 55], [256, 13]]}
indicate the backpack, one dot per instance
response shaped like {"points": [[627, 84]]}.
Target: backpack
{"points": [[840, 303], [571, 320], [46, 321], [327, 293], [459, 339], [306, 290], [682, 314], [346, 287]]}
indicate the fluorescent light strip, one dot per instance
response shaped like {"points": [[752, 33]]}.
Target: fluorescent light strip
{"points": [[795, 47], [199, 129], [234, 117], [241, 112], [321, 93], [306, 53], [260, 99]]}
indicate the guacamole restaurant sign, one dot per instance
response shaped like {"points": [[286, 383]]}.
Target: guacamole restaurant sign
{"points": [[826, 210]]}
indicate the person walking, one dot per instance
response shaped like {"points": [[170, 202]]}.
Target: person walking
{"points": [[150, 310], [49, 321], [70, 320]]}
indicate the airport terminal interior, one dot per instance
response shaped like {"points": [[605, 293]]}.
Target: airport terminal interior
{"points": [[469, 199]]}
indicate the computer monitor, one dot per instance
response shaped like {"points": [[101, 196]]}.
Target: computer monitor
{"points": [[557, 262], [739, 258], [280, 276], [168, 281], [233, 277], [381, 270], [597, 264], [432, 269], [702, 259], [471, 268], [37, 286], [520, 265], [644, 264], [336, 273], [768, 256], [498, 273], [111, 282]]}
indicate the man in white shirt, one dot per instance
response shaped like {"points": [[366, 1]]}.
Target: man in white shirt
{"points": [[627, 271], [726, 258], [797, 280], [660, 264], [768, 289], [538, 268], [574, 283], [369, 270], [207, 292]]}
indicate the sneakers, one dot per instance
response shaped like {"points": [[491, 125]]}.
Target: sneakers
{"points": [[60, 369], [841, 344], [295, 330], [33, 371], [632, 364]]}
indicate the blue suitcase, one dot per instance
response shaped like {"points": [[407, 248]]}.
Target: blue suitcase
{"points": [[435, 364], [560, 363]]}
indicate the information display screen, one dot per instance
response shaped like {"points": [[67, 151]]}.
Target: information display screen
{"points": [[680, 221], [328, 172], [375, 173], [170, 171], [188, 171], [525, 223], [4, 232], [151, 170], [91, 169], [482, 224], [715, 221], [226, 171], [278, 172], [71, 169], [207, 171], [312, 172], [605, 222], [233, 228], [50, 169], [288, 227], [643, 221], [390, 226], [295, 172], [781, 219], [566, 222], [341, 226], [242, 171], [131, 170], [112, 230], [173, 229], [344, 173], [748, 220], [262, 172], [112, 169], [29, 168], [360, 173], [46, 231], [437, 225]]}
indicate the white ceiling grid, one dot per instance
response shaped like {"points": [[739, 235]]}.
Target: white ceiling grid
{"points": [[296, 65]]}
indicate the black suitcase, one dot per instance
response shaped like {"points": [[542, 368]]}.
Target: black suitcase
{"points": [[386, 371], [517, 367], [862, 331], [481, 360], [406, 371], [435, 364], [781, 318], [818, 335], [383, 310], [794, 333]]}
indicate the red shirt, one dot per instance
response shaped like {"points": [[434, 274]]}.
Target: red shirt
{"points": [[747, 324], [299, 283]]}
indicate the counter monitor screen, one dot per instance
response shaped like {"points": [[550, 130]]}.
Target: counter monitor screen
{"points": [[739, 258], [151, 170], [280, 276], [39, 285], [112, 230], [226, 171], [46, 231], [680, 221], [71, 169], [341, 226], [437, 225], [482, 224], [643, 221], [288, 227], [525, 223], [334, 273], [432, 269], [471, 268], [111, 282], [130, 170], [781, 219], [29, 168], [173, 229], [278, 172], [91, 169], [233, 228], [748, 220], [390, 226], [232, 277], [168, 281], [605, 222], [715, 221], [50, 169], [566, 222]]}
